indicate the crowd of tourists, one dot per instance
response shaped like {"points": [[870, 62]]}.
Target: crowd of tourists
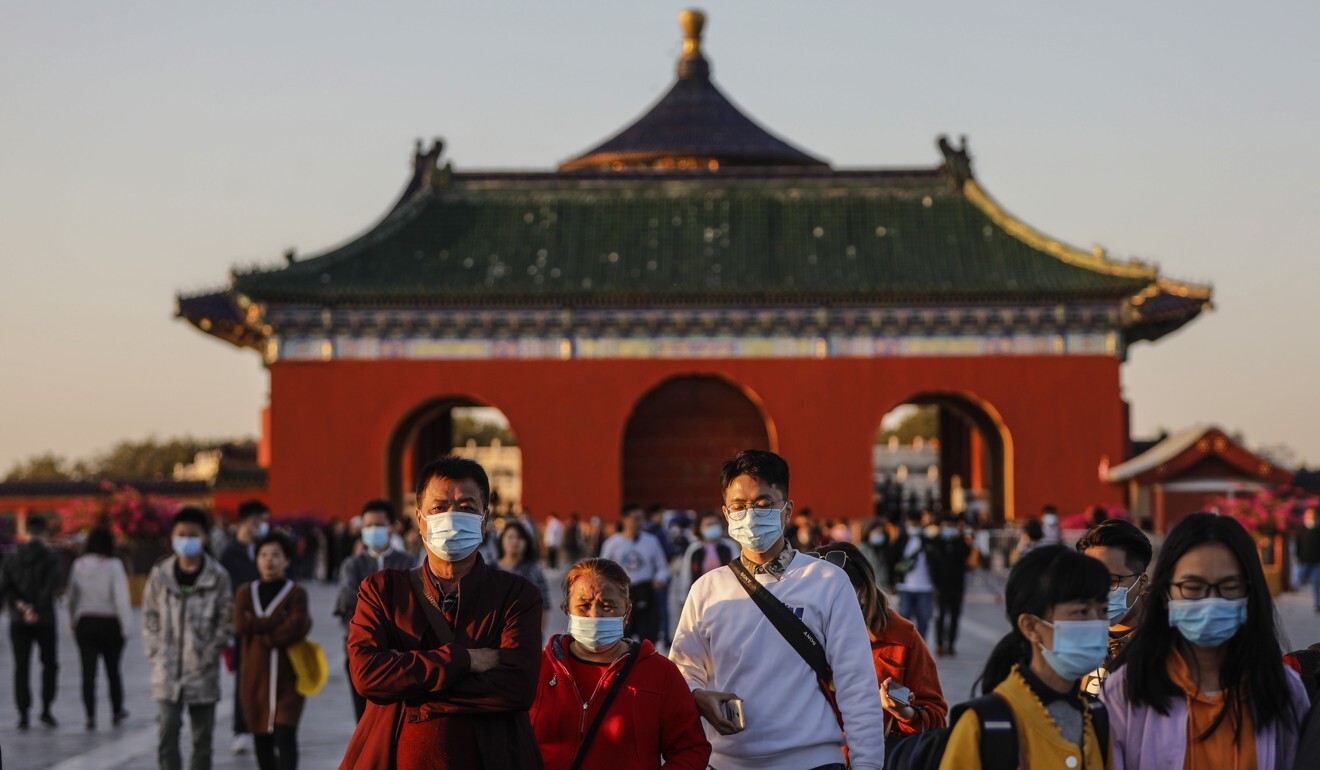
{"points": [[747, 636]]}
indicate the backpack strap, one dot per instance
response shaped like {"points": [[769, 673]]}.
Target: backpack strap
{"points": [[634, 652], [1100, 721], [999, 738], [794, 631]]}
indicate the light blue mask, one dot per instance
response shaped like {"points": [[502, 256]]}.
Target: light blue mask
{"points": [[1080, 646], [1208, 622], [759, 528], [453, 535], [376, 538], [712, 532], [187, 547], [263, 529], [595, 633]]}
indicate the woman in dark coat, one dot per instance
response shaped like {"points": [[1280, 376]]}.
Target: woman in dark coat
{"points": [[270, 615]]}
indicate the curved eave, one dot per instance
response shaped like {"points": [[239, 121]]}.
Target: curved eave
{"points": [[219, 315], [1164, 307]]}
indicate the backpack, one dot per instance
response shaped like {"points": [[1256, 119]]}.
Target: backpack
{"points": [[999, 737], [1307, 663]]}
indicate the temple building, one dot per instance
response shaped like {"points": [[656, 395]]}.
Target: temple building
{"points": [[692, 286]]}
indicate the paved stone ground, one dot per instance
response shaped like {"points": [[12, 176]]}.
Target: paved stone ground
{"points": [[328, 718]]}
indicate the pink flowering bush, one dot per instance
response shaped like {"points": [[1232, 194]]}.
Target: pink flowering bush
{"points": [[131, 516], [1264, 512]]}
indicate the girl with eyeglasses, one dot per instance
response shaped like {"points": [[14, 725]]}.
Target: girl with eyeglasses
{"points": [[1202, 684], [900, 656]]}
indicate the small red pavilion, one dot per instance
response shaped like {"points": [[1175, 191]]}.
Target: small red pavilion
{"points": [[692, 286]]}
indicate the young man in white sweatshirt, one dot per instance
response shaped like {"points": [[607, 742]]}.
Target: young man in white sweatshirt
{"points": [[727, 648]]}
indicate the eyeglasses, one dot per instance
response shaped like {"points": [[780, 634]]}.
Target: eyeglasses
{"points": [[837, 558], [738, 511], [1229, 588], [1116, 581]]}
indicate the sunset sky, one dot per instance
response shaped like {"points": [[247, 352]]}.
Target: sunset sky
{"points": [[148, 147]]}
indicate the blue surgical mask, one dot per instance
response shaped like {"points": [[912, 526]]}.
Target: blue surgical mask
{"points": [[1207, 622], [1118, 602], [263, 529], [1079, 647], [595, 634], [948, 533], [453, 535], [187, 547], [877, 538], [712, 531], [759, 529], [376, 538]]}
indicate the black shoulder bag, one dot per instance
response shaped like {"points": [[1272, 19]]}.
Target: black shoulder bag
{"points": [[615, 686], [794, 631]]}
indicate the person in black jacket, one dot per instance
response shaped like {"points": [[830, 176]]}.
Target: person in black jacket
{"points": [[240, 560], [1308, 554], [30, 578], [949, 554]]}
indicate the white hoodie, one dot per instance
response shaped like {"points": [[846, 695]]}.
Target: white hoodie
{"points": [[725, 643]]}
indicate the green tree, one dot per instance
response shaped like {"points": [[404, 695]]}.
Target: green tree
{"points": [[920, 420], [130, 459], [46, 466]]}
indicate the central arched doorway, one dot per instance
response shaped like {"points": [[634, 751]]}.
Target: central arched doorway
{"points": [[945, 452], [461, 426], [679, 434]]}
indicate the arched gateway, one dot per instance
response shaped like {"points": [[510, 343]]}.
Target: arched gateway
{"points": [[693, 241]]}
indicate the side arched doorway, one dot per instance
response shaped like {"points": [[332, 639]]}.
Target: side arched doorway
{"points": [[678, 435], [461, 426], [956, 455]]}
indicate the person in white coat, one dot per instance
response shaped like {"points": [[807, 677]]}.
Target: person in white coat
{"points": [[100, 615]]}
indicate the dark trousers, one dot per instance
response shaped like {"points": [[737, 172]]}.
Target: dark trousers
{"points": [[948, 608], [201, 719], [645, 612], [22, 636], [240, 724], [100, 639], [277, 750]]}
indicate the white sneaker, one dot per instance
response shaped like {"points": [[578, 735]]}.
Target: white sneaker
{"points": [[242, 743]]}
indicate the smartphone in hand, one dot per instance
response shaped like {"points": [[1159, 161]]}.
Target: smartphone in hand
{"points": [[900, 694], [733, 711]]}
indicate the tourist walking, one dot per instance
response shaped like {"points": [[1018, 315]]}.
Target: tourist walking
{"points": [[553, 537], [1055, 602], [874, 545], [950, 554], [239, 559], [642, 556], [515, 552], [916, 589], [378, 553], [770, 704], [100, 615], [711, 551], [447, 654], [1203, 683], [187, 619], [1308, 554], [270, 615], [604, 701], [1126, 552], [28, 581], [900, 657]]}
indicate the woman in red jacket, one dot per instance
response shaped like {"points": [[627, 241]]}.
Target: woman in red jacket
{"points": [[652, 716], [901, 657]]}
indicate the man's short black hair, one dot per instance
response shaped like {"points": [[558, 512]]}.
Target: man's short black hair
{"points": [[380, 506], [36, 525], [278, 539], [710, 514], [761, 465], [191, 515], [1123, 535], [629, 508], [454, 468], [249, 508]]}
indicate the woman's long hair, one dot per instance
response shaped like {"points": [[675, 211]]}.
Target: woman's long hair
{"points": [[530, 554], [1253, 658], [875, 608], [1042, 578]]}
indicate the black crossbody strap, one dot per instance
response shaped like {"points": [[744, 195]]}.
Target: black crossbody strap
{"points": [[443, 631], [794, 631], [615, 686]]}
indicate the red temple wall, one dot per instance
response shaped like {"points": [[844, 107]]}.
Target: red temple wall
{"points": [[331, 422]]}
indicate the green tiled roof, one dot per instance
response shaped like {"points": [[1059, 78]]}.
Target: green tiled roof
{"points": [[704, 238]]}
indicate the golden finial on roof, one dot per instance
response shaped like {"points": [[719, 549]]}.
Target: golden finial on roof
{"points": [[692, 21]]}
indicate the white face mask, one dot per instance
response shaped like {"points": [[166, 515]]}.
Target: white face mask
{"points": [[453, 535], [595, 634]]}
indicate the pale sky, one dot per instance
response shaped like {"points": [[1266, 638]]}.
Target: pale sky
{"points": [[146, 148]]}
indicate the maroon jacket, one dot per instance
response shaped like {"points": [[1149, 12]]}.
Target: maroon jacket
{"points": [[407, 676], [653, 716]]}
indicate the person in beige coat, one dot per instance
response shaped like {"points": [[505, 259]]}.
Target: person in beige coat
{"points": [[271, 615]]}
